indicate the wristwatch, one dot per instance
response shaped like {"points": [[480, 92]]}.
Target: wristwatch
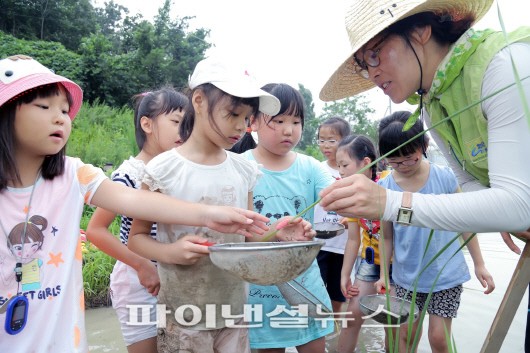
{"points": [[405, 211]]}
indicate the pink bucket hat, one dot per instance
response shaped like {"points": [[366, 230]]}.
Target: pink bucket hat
{"points": [[18, 75]]}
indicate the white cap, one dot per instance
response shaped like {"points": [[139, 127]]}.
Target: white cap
{"points": [[234, 81]]}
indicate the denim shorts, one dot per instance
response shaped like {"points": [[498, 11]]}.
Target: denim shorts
{"points": [[370, 272]]}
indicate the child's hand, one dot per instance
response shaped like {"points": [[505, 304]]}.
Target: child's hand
{"points": [[380, 286], [352, 291], [344, 221], [347, 288], [235, 220], [290, 229], [188, 250], [485, 279], [148, 276]]}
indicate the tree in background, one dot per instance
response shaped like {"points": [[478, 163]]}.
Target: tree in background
{"points": [[308, 141], [111, 54], [64, 21], [356, 111]]}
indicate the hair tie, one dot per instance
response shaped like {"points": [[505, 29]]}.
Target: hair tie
{"points": [[249, 130], [143, 94]]}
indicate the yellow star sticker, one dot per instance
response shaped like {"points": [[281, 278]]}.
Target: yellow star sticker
{"points": [[55, 259]]}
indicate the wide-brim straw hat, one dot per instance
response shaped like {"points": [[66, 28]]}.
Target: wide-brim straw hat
{"points": [[367, 18]]}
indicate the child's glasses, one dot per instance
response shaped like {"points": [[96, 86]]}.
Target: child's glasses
{"points": [[406, 162], [370, 58], [327, 142]]}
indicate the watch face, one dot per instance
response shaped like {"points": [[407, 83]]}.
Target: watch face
{"points": [[404, 216]]}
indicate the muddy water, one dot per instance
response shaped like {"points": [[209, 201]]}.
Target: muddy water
{"points": [[475, 315]]}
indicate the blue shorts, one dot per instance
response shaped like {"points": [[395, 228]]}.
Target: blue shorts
{"points": [[330, 264], [370, 272]]}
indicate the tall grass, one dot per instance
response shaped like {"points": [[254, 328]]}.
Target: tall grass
{"points": [[102, 135], [97, 266]]}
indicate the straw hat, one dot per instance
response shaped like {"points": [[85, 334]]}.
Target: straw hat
{"points": [[366, 18]]}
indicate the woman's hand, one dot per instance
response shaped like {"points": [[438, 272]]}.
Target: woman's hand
{"points": [[235, 220], [290, 229], [507, 237], [355, 196]]}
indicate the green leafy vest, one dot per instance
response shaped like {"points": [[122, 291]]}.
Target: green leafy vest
{"points": [[466, 133]]}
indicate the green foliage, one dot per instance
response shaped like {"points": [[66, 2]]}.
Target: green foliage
{"points": [[102, 135], [310, 122], [355, 110], [97, 266], [110, 54], [65, 21], [50, 54]]}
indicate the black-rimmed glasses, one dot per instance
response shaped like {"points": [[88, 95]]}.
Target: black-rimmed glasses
{"points": [[370, 58], [406, 163]]}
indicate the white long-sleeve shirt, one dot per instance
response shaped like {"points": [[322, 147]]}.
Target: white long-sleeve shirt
{"points": [[505, 206]]}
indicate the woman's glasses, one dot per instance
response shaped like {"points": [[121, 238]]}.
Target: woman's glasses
{"points": [[406, 162], [370, 58]]}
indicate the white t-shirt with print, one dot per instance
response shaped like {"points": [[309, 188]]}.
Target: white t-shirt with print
{"points": [[54, 287], [335, 244]]}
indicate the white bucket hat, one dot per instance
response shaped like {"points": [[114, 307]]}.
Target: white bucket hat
{"points": [[234, 81], [18, 75], [367, 18]]}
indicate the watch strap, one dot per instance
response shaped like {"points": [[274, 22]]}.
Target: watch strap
{"points": [[406, 201]]}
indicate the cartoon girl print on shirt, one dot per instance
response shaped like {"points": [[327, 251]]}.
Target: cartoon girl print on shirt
{"points": [[228, 195], [26, 253]]}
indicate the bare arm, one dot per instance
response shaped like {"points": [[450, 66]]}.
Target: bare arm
{"points": [[156, 207], [483, 276], [98, 233], [386, 249], [350, 256]]}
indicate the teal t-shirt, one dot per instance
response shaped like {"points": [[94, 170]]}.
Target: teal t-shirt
{"points": [[278, 194]]}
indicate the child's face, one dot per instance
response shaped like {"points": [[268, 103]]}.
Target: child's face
{"points": [[347, 165], [328, 140], [42, 127], [406, 165], [166, 130], [232, 122], [279, 135]]}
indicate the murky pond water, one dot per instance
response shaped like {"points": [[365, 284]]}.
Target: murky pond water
{"points": [[475, 315]]}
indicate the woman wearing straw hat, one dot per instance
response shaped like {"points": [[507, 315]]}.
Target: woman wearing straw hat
{"points": [[473, 89], [427, 50]]}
